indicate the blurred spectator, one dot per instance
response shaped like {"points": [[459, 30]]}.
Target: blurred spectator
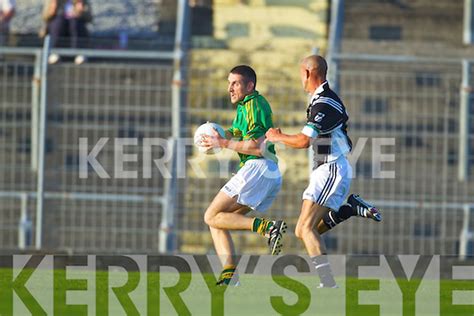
{"points": [[67, 19], [7, 11]]}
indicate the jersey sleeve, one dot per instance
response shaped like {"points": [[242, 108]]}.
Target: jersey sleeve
{"points": [[259, 119], [323, 118]]}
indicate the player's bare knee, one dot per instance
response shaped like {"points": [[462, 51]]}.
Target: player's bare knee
{"points": [[298, 232], [209, 217], [302, 230]]}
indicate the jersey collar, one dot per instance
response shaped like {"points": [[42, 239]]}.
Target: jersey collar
{"points": [[249, 97], [319, 90]]}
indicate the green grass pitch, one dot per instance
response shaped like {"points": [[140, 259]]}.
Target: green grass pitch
{"points": [[118, 293]]}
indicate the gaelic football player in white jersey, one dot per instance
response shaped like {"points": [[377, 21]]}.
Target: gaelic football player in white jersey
{"points": [[324, 200]]}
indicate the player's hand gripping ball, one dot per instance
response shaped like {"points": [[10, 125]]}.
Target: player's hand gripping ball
{"points": [[208, 129]]}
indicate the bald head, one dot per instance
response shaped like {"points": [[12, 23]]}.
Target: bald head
{"points": [[316, 65], [313, 70]]}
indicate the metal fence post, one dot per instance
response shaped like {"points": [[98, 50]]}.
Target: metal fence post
{"points": [[334, 46], [466, 235], [464, 113], [468, 34], [42, 142], [24, 226], [167, 231], [167, 242], [35, 99], [180, 63]]}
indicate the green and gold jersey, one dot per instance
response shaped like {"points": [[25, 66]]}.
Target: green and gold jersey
{"points": [[253, 119]]}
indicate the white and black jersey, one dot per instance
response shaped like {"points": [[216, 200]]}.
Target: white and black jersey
{"points": [[327, 125]]}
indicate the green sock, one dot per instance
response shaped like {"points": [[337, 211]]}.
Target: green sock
{"points": [[261, 225], [256, 224], [226, 275]]}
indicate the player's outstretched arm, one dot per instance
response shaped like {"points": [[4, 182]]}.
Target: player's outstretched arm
{"points": [[248, 147], [300, 140]]}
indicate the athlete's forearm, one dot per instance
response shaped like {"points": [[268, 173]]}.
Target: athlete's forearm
{"points": [[248, 147], [295, 141]]}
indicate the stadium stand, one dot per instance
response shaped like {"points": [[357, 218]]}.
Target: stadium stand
{"points": [[415, 27], [137, 19]]}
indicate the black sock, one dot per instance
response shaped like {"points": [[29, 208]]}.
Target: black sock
{"points": [[323, 268], [347, 211], [333, 218]]}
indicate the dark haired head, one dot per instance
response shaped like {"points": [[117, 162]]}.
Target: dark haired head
{"points": [[246, 72]]}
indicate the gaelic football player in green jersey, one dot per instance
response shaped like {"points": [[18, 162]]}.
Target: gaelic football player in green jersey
{"points": [[258, 180]]}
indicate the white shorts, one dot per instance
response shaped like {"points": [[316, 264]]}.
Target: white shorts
{"points": [[256, 184], [329, 183]]}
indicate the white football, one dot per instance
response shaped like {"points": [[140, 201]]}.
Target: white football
{"points": [[206, 129]]}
